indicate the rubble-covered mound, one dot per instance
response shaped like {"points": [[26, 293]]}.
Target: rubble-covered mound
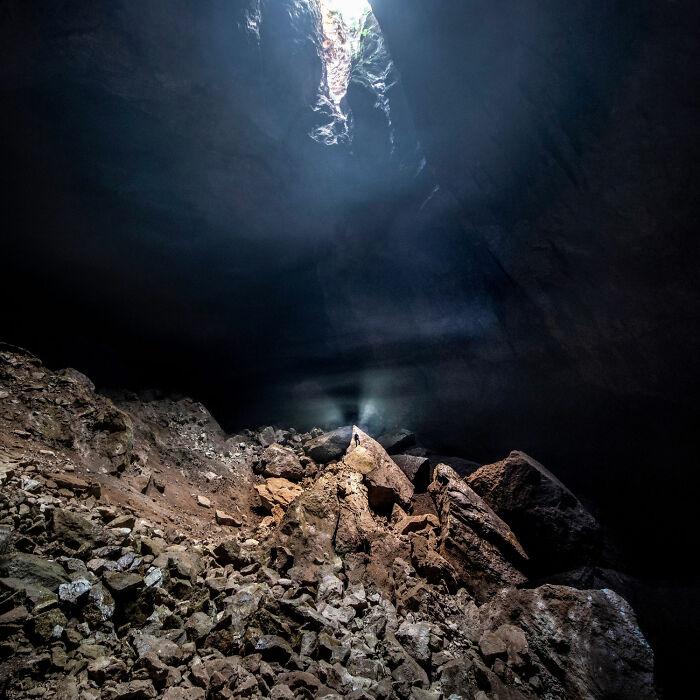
{"points": [[146, 554]]}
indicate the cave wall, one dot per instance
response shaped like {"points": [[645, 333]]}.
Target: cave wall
{"points": [[565, 135]]}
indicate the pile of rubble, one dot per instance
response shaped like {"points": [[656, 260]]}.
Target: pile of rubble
{"points": [[315, 565]]}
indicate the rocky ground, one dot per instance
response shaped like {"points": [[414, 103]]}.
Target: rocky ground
{"points": [[146, 554]]}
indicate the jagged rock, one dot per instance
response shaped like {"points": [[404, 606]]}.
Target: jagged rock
{"points": [[123, 521], [184, 694], [240, 607], [68, 481], [396, 441], [72, 529], [415, 638], [230, 552], [198, 626], [555, 529], [33, 570], [267, 436], [121, 583], [13, 619], [281, 462], [73, 591], [104, 668], [416, 523], [133, 690], [99, 605], [386, 483], [308, 528], [5, 537], [185, 562], [198, 672], [271, 647], [516, 644], [416, 469], [423, 504], [491, 647], [481, 548], [203, 501], [330, 446], [590, 639], [223, 518], [166, 650], [456, 678], [277, 492], [153, 577], [356, 524], [49, 625], [463, 467]]}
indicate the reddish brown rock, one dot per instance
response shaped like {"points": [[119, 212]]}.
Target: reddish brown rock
{"points": [[308, 528], [555, 529], [416, 523], [277, 492], [223, 518], [482, 549], [386, 483], [281, 462]]}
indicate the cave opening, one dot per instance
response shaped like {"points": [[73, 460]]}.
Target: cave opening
{"points": [[351, 41]]}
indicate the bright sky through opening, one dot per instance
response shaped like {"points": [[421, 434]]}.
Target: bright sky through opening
{"points": [[351, 10]]}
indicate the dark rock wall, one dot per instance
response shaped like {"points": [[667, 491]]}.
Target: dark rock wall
{"points": [[567, 135]]}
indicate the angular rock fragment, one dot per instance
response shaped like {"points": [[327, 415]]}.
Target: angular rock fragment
{"points": [[556, 530], [330, 446], [480, 547], [396, 441], [277, 492], [416, 469], [31, 569], [386, 483], [281, 462], [223, 518], [121, 583]]}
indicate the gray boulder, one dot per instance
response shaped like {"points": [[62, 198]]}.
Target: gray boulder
{"points": [[281, 462], [330, 446]]}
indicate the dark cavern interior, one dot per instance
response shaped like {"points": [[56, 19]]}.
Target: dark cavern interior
{"points": [[350, 349]]}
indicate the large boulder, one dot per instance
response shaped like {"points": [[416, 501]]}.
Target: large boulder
{"points": [[397, 440], [386, 483], [356, 524], [33, 570], [463, 467], [281, 462], [482, 549], [330, 446], [308, 528], [416, 469], [555, 529], [72, 530], [277, 492], [588, 640]]}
